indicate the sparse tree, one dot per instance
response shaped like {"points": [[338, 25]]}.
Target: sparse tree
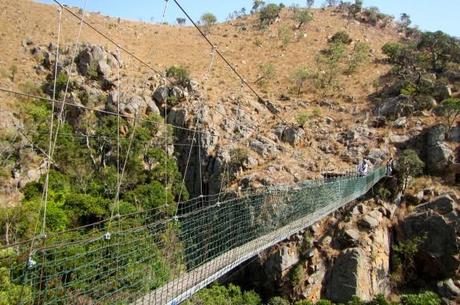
{"points": [[310, 3], [332, 3], [299, 77], [450, 109], [408, 165], [268, 14], [359, 56], [267, 72], [208, 20], [256, 5], [302, 17], [285, 34], [405, 21], [181, 21]]}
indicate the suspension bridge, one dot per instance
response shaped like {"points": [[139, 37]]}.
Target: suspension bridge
{"points": [[156, 257]]}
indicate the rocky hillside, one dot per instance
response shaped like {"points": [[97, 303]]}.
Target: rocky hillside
{"points": [[345, 85]]}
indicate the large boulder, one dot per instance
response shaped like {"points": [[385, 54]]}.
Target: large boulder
{"points": [[93, 59], [437, 224], [350, 277], [438, 156], [396, 107], [293, 135]]}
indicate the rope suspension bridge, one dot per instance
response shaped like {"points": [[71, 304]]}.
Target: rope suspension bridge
{"points": [[162, 256]]}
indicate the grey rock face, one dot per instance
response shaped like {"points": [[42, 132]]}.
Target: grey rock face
{"points": [[293, 135], [437, 257], [437, 154], [448, 289], [349, 275]]}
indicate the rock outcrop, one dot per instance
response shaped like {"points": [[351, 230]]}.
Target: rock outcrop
{"points": [[438, 224]]}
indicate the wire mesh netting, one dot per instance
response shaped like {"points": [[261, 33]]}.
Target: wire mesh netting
{"points": [[150, 258]]}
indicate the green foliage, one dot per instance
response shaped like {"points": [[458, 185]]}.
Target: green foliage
{"points": [[304, 302], [257, 4], [180, 74], [208, 20], [425, 298], [11, 293], [439, 49], [285, 34], [404, 259], [299, 76], [409, 164], [328, 64], [297, 275], [267, 72], [341, 37], [61, 83], [268, 14], [324, 302], [302, 118], [449, 109], [302, 17], [278, 301], [221, 295], [355, 301], [359, 56]]}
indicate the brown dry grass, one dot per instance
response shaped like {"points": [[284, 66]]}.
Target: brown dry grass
{"points": [[163, 45]]}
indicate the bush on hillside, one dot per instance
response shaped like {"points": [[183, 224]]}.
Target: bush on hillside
{"points": [[341, 37], [302, 17], [299, 76], [180, 75], [268, 14], [358, 57]]}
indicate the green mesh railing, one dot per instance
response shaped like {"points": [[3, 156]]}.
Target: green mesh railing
{"points": [[145, 258]]}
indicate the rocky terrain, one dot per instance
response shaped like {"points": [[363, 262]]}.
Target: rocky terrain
{"points": [[394, 239]]}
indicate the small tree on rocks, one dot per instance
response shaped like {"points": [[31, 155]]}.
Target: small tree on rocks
{"points": [[450, 109], [409, 165]]}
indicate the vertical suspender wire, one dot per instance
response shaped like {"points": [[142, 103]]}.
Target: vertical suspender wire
{"points": [[70, 70], [30, 262], [50, 145], [164, 11]]}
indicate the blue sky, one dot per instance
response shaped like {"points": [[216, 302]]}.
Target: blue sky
{"points": [[429, 15]]}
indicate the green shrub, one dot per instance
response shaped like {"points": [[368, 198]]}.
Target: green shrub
{"points": [[302, 118], [425, 298], [341, 37], [278, 301], [329, 67], [449, 109], [268, 14], [409, 164], [299, 76], [180, 75], [358, 57], [221, 295], [304, 302], [324, 302], [285, 34], [302, 17], [267, 72], [297, 275]]}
